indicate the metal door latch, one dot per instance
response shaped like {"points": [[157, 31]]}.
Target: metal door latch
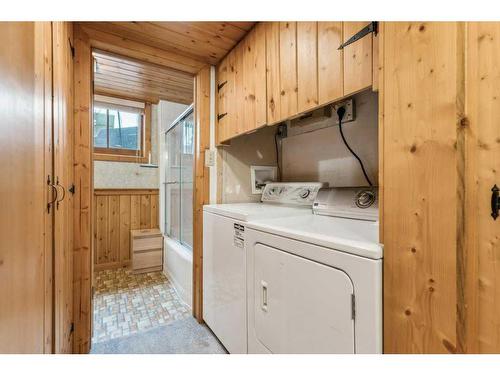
{"points": [[372, 27], [495, 202]]}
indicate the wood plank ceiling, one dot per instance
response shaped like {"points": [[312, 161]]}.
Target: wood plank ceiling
{"points": [[118, 76], [185, 46], [157, 60]]}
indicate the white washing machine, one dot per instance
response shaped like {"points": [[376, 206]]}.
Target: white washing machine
{"points": [[315, 281], [224, 255]]}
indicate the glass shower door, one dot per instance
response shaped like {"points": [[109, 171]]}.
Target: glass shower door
{"points": [[187, 161], [173, 182], [179, 180]]}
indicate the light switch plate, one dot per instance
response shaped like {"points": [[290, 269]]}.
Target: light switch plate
{"points": [[210, 158]]}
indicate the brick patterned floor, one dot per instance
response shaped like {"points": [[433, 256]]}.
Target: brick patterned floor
{"points": [[127, 303]]}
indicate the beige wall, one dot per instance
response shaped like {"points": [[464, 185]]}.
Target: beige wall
{"points": [[251, 149], [319, 155], [322, 156]]}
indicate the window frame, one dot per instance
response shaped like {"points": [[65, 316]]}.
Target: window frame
{"points": [[127, 155]]}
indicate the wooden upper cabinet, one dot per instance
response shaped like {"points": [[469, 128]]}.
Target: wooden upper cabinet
{"points": [[358, 59], [222, 82], [291, 69], [273, 72], [330, 64], [307, 66], [254, 79], [242, 98], [288, 69]]}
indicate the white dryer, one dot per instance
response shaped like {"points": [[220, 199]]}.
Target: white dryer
{"points": [[224, 255], [315, 281]]}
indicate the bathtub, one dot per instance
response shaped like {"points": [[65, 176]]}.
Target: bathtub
{"points": [[178, 266]]}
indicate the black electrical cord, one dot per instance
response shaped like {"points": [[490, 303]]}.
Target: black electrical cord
{"points": [[277, 153], [340, 114]]}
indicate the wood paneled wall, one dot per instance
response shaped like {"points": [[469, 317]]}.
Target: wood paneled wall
{"points": [[117, 211], [421, 174]]}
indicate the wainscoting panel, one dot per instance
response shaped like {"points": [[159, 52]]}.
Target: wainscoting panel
{"points": [[117, 211]]}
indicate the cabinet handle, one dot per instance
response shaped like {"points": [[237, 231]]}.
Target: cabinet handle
{"points": [[495, 202], [63, 195], [54, 189], [263, 305], [370, 28], [221, 116]]}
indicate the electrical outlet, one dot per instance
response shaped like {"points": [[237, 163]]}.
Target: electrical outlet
{"points": [[348, 104], [282, 131]]}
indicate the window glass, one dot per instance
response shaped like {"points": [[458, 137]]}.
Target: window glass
{"points": [[124, 130], [100, 127], [117, 129]]}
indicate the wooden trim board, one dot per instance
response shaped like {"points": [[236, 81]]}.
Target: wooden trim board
{"points": [[201, 178]]}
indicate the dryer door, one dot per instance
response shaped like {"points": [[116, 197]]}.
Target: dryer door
{"points": [[301, 306]]}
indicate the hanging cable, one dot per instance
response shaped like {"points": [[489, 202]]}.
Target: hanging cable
{"points": [[277, 152], [340, 114]]}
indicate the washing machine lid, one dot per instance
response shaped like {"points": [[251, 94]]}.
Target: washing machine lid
{"points": [[358, 237], [254, 211], [278, 199]]}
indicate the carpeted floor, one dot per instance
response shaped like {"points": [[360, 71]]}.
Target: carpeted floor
{"points": [[184, 336]]}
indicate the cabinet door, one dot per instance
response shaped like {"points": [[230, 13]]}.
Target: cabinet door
{"points": [[288, 69], [63, 171], [259, 73], [254, 79], [273, 72], [330, 64], [222, 100], [358, 63], [228, 104], [307, 66]]}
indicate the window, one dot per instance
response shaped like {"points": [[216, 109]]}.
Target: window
{"points": [[179, 141], [120, 132]]}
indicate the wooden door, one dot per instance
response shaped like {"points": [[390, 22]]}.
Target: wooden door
{"points": [[358, 63], [482, 133], [63, 174], [25, 166]]}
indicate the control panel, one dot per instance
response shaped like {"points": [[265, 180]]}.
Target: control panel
{"points": [[353, 203], [293, 193]]}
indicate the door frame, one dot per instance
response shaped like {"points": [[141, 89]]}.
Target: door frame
{"points": [[83, 177]]}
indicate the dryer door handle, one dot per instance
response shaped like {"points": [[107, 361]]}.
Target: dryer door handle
{"points": [[263, 304]]}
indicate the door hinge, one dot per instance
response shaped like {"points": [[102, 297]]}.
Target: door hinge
{"points": [[221, 85], [221, 116], [71, 48], [372, 27], [353, 307]]}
